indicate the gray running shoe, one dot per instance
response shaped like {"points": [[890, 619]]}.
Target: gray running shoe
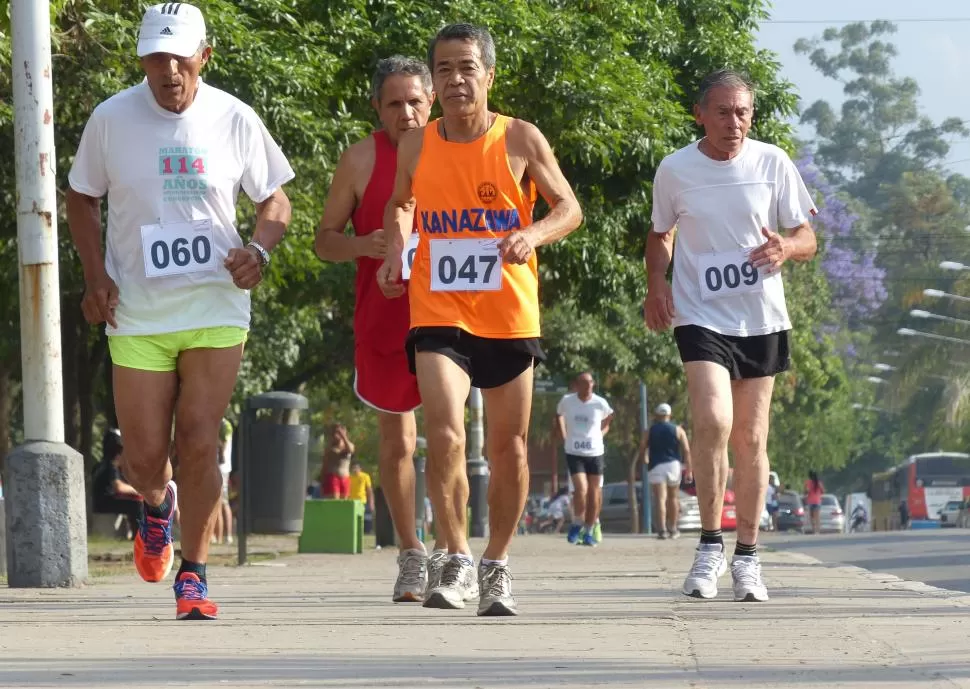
{"points": [[748, 585], [435, 564], [662, 535], [412, 576], [495, 582], [675, 534], [456, 585], [709, 565]]}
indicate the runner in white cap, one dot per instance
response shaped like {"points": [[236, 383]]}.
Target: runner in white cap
{"points": [[665, 449], [172, 281], [741, 211]]}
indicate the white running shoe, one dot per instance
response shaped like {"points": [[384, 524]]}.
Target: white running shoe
{"points": [[748, 585], [412, 576], [709, 564], [458, 584], [495, 582], [436, 563]]}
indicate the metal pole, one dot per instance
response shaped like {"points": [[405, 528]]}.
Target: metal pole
{"points": [[477, 467], [40, 319], [242, 517], [47, 544], [646, 519]]}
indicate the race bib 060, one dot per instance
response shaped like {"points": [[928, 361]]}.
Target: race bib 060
{"points": [[178, 248], [407, 256], [465, 265], [727, 274]]}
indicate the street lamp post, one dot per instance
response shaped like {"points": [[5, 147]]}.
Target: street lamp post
{"points": [[909, 332], [940, 294], [919, 313]]}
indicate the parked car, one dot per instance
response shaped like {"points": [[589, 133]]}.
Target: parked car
{"points": [[833, 518], [615, 514], [950, 514], [791, 512]]}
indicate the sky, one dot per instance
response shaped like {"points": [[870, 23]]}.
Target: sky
{"points": [[933, 42]]}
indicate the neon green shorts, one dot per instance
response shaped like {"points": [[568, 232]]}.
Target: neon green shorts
{"points": [[161, 352]]}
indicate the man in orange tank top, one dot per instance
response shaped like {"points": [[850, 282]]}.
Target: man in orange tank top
{"points": [[470, 178], [402, 96]]}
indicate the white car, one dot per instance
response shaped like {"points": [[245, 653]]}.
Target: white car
{"points": [[950, 514]]}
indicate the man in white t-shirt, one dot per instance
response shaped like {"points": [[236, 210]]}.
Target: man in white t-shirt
{"points": [[583, 419], [173, 277], [741, 211]]}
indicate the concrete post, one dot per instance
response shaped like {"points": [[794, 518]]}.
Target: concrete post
{"points": [[477, 467], [44, 488], [647, 516]]}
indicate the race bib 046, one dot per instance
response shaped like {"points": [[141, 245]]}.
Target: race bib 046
{"points": [[465, 265], [727, 274], [407, 256], [178, 248]]}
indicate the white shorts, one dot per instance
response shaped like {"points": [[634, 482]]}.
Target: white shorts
{"points": [[668, 472]]}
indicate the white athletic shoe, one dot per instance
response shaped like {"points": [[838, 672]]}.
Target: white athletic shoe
{"points": [[495, 583], [458, 584], [412, 576], [746, 573], [709, 564], [436, 563]]}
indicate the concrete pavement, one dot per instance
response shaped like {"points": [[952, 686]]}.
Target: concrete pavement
{"points": [[610, 616]]}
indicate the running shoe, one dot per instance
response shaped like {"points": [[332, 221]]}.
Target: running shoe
{"points": [[662, 535], [412, 576], [589, 540], [436, 563], [154, 549], [495, 583], [748, 585], [573, 535], [597, 532], [457, 585], [675, 534], [709, 564], [192, 599]]}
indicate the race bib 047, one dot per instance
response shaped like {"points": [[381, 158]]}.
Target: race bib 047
{"points": [[727, 274], [178, 248], [465, 265]]}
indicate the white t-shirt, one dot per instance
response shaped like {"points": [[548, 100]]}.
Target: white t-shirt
{"points": [[584, 434], [159, 167], [719, 208]]}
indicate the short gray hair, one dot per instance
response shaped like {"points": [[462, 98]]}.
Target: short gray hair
{"points": [[399, 64], [479, 35], [728, 78]]}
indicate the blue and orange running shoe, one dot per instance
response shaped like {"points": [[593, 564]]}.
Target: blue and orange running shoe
{"points": [[192, 599], [154, 550]]}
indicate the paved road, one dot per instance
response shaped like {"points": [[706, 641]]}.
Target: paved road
{"points": [[936, 557]]}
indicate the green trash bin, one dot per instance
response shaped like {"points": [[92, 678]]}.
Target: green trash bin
{"points": [[332, 526]]}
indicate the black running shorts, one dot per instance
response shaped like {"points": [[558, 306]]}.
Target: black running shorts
{"points": [[489, 362], [585, 465], [756, 356]]}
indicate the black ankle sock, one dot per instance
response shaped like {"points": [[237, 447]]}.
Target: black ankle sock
{"points": [[712, 537], [197, 568], [160, 512], [748, 550]]}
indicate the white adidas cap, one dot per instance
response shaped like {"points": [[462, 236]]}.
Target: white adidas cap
{"points": [[172, 27], [662, 409]]}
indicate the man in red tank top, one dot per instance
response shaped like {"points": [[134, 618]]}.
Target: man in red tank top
{"points": [[362, 183]]}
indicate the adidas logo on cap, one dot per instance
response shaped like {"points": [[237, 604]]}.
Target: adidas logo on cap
{"points": [[166, 32]]}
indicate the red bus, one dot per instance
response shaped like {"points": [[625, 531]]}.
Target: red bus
{"points": [[926, 482]]}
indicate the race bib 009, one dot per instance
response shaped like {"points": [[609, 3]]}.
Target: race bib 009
{"points": [[407, 256], [465, 265], [727, 274], [178, 248]]}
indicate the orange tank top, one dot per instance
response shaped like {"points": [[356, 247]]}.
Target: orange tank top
{"points": [[467, 191]]}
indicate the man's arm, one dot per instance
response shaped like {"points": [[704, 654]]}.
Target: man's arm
{"points": [[332, 243], [565, 215], [561, 425], [100, 292], [658, 307], [605, 424], [272, 216], [370, 495], [685, 450], [797, 244], [399, 214]]}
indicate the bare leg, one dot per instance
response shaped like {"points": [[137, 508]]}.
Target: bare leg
{"points": [[396, 459], [444, 388], [660, 506], [749, 442], [507, 410], [709, 389], [580, 487], [673, 507], [594, 502]]}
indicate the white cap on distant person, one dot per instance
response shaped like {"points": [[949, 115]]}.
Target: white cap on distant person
{"points": [[662, 409], [176, 28]]}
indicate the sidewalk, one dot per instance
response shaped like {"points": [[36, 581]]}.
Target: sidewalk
{"points": [[610, 616]]}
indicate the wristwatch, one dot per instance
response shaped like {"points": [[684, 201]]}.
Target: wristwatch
{"points": [[262, 253]]}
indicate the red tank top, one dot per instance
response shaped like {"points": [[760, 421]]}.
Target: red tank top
{"points": [[379, 322]]}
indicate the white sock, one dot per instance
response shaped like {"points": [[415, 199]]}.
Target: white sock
{"points": [[501, 563], [468, 559]]}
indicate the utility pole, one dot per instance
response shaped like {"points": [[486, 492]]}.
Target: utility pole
{"points": [[647, 516], [44, 490], [477, 467]]}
